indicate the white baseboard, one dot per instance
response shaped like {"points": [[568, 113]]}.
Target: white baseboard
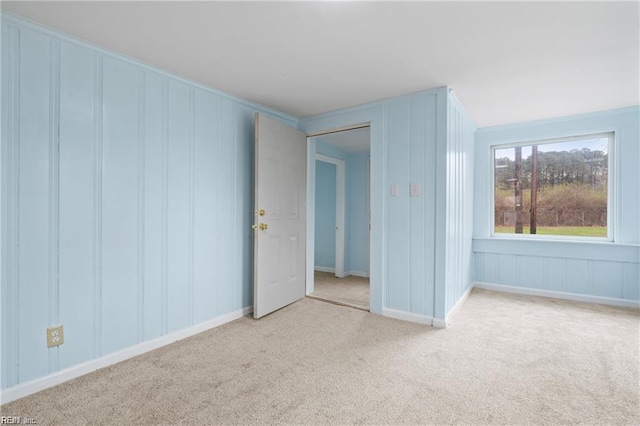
{"points": [[456, 307], [358, 274], [27, 388], [347, 273], [423, 319], [407, 316], [559, 295], [439, 323]]}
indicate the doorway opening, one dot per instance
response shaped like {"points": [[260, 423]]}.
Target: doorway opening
{"points": [[339, 217]]}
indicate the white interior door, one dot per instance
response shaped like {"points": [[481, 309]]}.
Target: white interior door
{"points": [[280, 201]]}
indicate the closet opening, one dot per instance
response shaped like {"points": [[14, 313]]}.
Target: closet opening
{"points": [[339, 216]]}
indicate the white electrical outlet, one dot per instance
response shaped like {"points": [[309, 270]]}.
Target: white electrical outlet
{"points": [[55, 336]]}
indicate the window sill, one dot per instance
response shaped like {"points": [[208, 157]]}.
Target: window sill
{"points": [[592, 249]]}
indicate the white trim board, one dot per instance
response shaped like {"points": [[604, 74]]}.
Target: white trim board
{"points": [[446, 322], [407, 316], [453, 311], [559, 295], [27, 388], [346, 274]]}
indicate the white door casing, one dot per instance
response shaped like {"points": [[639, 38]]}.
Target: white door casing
{"points": [[280, 234]]}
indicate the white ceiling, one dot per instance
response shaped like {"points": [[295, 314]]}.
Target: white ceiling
{"points": [[506, 62], [355, 141]]}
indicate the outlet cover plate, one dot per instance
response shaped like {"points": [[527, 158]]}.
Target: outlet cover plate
{"points": [[55, 336]]}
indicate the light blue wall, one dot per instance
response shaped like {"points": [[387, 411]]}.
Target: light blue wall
{"points": [[586, 268], [329, 150], [126, 201], [356, 212], [403, 228], [459, 204], [325, 226]]}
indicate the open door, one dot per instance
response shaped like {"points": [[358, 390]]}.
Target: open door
{"points": [[280, 201]]}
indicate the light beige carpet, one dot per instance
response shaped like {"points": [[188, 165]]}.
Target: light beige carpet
{"points": [[506, 359], [350, 291]]}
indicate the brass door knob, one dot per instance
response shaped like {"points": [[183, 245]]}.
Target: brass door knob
{"points": [[263, 226], [261, 212]]}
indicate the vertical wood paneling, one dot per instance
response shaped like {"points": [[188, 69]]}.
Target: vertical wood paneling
{"points": [[578, 278], [5, 106], [631, 280], [179, 142], [459, 202], [77, 152], [601, 278], [154, 190], [141, 202], [449, 244], [227, 207], [190, 206], [398, 207], [54, 193], [429, 195], [555, 274], [125, 198], [507, 268], [164, 211], [34, 198], [602, 283], [440, 204], [531, 272], [97, 206], [205, 206], [478, 267], [9, 159], [120, 206], [219, 208], [489, 272], [418, 167]]}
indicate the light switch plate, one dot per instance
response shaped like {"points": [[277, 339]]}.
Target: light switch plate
{"points": [[394, 190], [415, 189]]}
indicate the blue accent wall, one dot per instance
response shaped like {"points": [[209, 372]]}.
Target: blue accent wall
{"points": [[357, 170], [602, 269], [356, 259], [325, 226], [126, 201], [459, 202], [356, 214]]}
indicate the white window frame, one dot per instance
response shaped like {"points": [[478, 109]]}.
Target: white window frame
{"points": [[611, 193]]}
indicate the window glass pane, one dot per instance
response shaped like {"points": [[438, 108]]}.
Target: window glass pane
{"points": [[558, 188]]}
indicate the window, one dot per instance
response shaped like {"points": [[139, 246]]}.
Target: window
{"points": [[555, 187]]}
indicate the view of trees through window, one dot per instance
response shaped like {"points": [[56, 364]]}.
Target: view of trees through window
{"points": [[557, 188]]}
